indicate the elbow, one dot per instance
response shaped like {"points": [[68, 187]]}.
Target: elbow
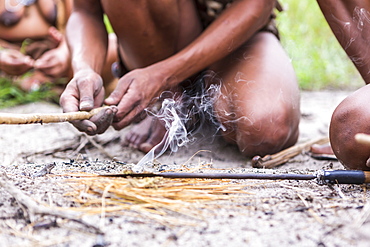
{"points": [[262, 11], [268, 9]]}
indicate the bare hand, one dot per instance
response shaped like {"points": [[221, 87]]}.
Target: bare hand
{"points": [[84, 92], [134, 92], [54, 63], [13, 62]]}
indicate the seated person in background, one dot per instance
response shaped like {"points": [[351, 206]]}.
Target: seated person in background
{"points": [[350, 22], [32, 39], [167, 43]]}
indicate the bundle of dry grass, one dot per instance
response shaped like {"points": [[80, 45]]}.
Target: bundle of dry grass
{"points": [[157, 198]]}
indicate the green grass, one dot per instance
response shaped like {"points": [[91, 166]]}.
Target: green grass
{"points": [[318, 59], [12, 95]]}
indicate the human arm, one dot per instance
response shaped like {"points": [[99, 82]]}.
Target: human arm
{"points": [[87, 40], [227, 33], [350, 23]]}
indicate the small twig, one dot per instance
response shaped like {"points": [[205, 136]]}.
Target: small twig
{"points": [[11, 118], [46, 170], [31, 207], [337, 189], [83, 143], [77, 144], [270, 161]]}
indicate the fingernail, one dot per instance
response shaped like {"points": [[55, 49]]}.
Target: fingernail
{"points": [[114, 109], [109, 111], [84, 105]]}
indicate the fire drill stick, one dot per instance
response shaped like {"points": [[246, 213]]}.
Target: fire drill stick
{"points": [[11, 118], [322, 177]]}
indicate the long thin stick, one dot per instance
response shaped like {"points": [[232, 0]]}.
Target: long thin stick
{"points": [[322, 177], [11, 118], [270, 161]]}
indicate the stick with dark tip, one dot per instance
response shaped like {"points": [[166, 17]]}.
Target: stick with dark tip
{"points": [[321, 177]]}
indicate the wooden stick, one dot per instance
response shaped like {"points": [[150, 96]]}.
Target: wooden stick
{"points": [[270, 161], [11, 118]]}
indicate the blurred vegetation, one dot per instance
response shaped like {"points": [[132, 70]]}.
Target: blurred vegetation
{"points": [[11, 94], [318, 59]]}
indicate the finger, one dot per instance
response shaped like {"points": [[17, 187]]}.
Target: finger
{"points": [[70, 103], [128, 119], [87, 93], [104, 119], [130, 104], [29, 61], [85, 126], [69, 98], [44, 63], [117, 94]]}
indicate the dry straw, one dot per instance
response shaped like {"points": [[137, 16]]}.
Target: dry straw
{"points": [[157, 198]]}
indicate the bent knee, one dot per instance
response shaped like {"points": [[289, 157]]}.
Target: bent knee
{"points": [[348, 119], [266, 135]]}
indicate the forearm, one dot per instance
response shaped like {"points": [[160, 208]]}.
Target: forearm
{"points": [[228, 32], [87, 39], [350, 23]]}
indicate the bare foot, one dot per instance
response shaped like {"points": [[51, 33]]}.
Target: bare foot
{"points": [[322, 149], [145, 135], [322, 152]]}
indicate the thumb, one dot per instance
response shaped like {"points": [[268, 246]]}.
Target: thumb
{"points": [[38, 64], [115, 97]]}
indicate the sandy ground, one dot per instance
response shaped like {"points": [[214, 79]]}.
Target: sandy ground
{"points": [[256, 213]]}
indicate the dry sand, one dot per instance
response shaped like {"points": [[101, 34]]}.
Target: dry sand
{"points": [[266, 213]]}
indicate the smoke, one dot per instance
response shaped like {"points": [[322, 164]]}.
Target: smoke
{"points": [[362, 17], [183, 116], [351, 31]]}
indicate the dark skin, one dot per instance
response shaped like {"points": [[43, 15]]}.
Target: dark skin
{"points": [[162, 44], [53, 63], [349, 21], [38, 23]]}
